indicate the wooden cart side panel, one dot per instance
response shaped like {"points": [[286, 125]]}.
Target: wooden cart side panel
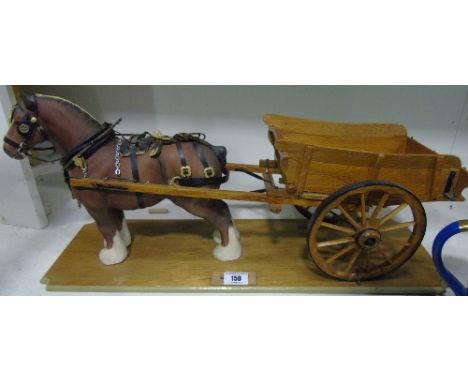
{"points": [[425, 175], [293, 161], [387, 138], [329, 169], [328, 172], [321, 170]]}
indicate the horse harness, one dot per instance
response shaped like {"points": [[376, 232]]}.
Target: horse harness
{"points": [[130, 145], [133, 145]]}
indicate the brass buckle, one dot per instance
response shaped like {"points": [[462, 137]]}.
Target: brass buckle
{"points": [[208, 172], [173, 181], [185, 172], [161, 136], [80, 162], [154, 151]]}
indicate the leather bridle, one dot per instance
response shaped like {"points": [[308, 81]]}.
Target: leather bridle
{"points": [[27, 128]]}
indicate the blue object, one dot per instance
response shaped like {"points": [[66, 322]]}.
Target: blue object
{"points": [[439, 242]]}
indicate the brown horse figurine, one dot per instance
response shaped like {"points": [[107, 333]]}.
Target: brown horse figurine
{"points": [[40, 117]]}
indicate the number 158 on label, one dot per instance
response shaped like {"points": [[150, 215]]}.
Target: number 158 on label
{"points": [[236, 278]]}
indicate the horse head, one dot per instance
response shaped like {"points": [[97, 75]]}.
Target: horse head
{"points": [[25, 130]]}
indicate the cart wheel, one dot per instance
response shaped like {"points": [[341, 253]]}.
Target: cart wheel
{"points": [[378, 227]]}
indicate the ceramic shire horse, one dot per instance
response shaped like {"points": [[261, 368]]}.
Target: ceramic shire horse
{"points": [[71, 130]]}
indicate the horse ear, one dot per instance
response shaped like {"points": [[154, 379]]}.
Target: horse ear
{"points": [[29, 102]]}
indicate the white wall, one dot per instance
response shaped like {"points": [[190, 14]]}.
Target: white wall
{"points": [[20, 203]]}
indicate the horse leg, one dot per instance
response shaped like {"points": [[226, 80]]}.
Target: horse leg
{"points": [[122, 226], [111, 225], [217, 234], [217, 213]]}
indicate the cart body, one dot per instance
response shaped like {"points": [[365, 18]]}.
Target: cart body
{"points": [[322, 157]]}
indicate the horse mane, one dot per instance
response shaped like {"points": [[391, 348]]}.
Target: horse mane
{"points": [[87, 117]]}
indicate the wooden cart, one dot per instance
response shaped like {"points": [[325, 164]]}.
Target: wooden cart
{"points": [[365, 182]]}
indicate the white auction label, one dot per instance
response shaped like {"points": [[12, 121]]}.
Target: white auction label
{"points": [[236, 278]]}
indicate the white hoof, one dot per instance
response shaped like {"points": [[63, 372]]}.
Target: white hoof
{"points": [[230, 252], [125, 234], [217, 235], [116, 254]]}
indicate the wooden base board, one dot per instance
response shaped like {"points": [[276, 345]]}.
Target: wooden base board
{"points": [[176, 256]]}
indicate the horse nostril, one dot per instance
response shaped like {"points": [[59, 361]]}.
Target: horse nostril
{"points": [[8, 150]]}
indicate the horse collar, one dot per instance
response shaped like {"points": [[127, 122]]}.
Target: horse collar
{"points": [[89, 146]]}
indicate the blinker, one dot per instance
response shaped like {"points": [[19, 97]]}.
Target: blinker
{"points": [[27, 126], [23, 128]]}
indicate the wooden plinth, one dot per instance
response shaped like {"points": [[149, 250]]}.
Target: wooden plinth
{"points": [[176, 256]]}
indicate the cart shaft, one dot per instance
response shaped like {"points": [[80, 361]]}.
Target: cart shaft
{"points": [[275, 196]]}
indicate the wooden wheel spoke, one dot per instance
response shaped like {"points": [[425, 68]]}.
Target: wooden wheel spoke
{"points": [[385, 256], [329, 243], [336, 217], [363, 209], [338, 228], [328, 251], [392, 214], [397, 227], [366, 263], [353, 260], [349, 218], [340, 253], [379, 207]]}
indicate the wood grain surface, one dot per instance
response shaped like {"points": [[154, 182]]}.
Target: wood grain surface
{"points": [[176, 256]]}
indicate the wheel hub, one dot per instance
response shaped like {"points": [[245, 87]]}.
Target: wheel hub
{"points": [[368, 238]]}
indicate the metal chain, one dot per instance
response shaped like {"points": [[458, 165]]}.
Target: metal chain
{"points": [[117, 156]]}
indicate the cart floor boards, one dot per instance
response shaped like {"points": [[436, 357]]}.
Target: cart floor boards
{"points": [[176, 256]]}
